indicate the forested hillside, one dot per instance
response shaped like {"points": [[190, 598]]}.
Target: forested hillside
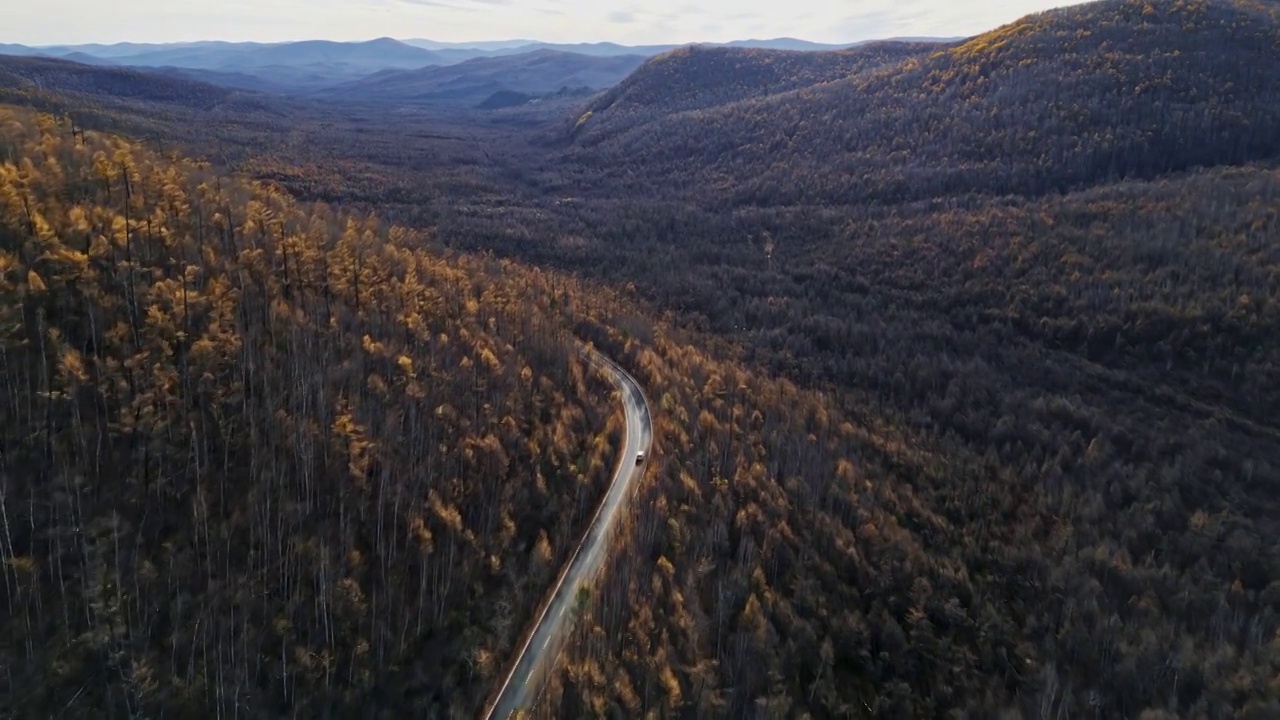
{"points": [[964, 368], [1068, 397], [262, 457], [1062, 456], [698, 77], [1102, 91], [32, 75]]}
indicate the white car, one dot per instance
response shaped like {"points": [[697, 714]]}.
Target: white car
{"points": [[639, 457]]}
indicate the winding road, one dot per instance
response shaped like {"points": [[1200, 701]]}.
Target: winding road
{"points": [[523, 683]]}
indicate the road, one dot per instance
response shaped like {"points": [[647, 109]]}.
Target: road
{"points": [[523, 683]]}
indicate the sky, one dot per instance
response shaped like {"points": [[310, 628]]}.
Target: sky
{"points": [[633, 22]]}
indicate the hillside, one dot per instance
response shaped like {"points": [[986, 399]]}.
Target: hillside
{"points": [[20, 75], [284, 67], [1094, 92], [332, 61], [1069, 397], [1061, 460], [164, 107], [321, 150], [232, 80], [698, 76], [264, 456], [472, 82]]}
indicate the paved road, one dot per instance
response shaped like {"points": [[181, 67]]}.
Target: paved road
{"points": [[533, 662]]}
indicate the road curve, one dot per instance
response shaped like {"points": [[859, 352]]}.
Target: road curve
{"points": [[523, 683]]}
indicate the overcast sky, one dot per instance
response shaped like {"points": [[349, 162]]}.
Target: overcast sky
{"points": [[45, 22]]}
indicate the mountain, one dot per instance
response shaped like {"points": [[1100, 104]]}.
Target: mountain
{"points": [[300, 65], [474, 81], [370, 55], [481, 45], [1003, 249], [21, 50], [784, 44], [86, 59], [279, 67], [373, 54], [1106, 90], [127, 48], [56, 76], [608, 48], [699, 77], [307, 66], [150, 103], [216, 54]]}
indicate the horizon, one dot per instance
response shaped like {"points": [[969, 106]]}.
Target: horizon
{"points": [[665, 22], [504, 42]]}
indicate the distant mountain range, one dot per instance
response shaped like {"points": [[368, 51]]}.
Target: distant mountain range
{"points": [[299, 66], [492, 81], [216, 54], [493, 73], [513, 47]]}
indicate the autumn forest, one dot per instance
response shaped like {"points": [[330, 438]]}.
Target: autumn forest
{"points": [[962, 356]]}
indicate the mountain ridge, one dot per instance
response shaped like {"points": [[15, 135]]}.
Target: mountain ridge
{"points": [[703, 76], [472, 82], [1104, 73]]}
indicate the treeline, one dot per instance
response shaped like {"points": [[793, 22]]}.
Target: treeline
{"points": [[264, 458]]}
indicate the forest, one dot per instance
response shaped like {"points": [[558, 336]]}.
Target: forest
{"points": [[258, 456], [1052, 102], [963, 361]]}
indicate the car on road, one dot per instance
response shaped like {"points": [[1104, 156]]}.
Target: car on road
{"points": [[639, 457]]}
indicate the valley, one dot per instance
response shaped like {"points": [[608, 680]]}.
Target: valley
{"points": [[961, 356]]}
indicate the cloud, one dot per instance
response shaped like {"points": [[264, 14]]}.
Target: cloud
{"points": [[622, 17]]}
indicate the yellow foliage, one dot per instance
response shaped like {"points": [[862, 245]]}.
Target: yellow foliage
{"points": [[72, 365], [406, 364], [421, 534], [373, 347], [666, 567], [444, 512]]}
